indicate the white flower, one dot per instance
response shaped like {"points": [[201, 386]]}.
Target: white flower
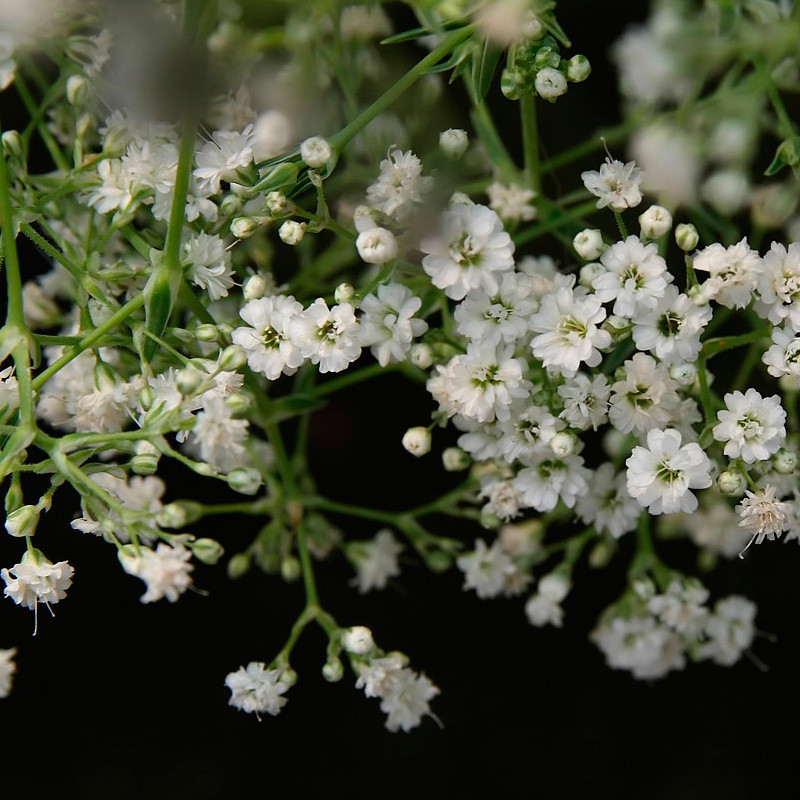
{"points": [[585, 400], [681, 607], [388, 323], [376, 245], [35, 580], [486, 569], [256, 689], [589, 244], [7, 669], [375, 561], [763, 515], [635, 278], [504, 499], [544, 607], [511, 202], [468, 252], [644, 398], [671, 329], [661, 474], [400, 186], [209, 264], [606, 504], [734, 273], [9, 390], [220, 436], [783, 357], [715, 529], [751, 426], [730, 630], [358, 640], [550, 479], [164, 570], [779, 285], [454, 142], [407, 700], [569, 331], [329, 337], [220, 158], [550, 83], [269, 348], [616, 184], [641, 645], [417, 441], [528, 433]]}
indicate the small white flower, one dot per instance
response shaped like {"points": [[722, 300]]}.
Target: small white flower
{"points": [[417, 441], [606, 504], [585, 401], [550, 83], [256, 689], [763, 515], [292, 232], [388, 323], [209, 264], [730, 630], [589, 244], [35, 580], [376, 245], [375, 561], [734, 272], [751, 426], [358, 640], [779, 285], [511, 202], [164, 570], [655, 222], [644, 398], [616, 184], [329, 337], [468, 252], [550, 479], [486, 569], [783, 357], [400, 186], [454, 142], [661, 475], [219, 158], [544, 607], [681, 607], [406, 701]]}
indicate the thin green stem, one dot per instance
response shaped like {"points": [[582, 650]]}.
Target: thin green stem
{"points": [[530, 141]]}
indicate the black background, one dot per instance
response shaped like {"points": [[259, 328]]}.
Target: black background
{"points": [[114, 699]]}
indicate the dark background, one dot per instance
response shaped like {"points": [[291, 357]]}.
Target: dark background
{"points": [[118, 700]]}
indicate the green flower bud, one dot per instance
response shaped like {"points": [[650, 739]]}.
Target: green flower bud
{"points": [[233, 357], [239, 565], [578, 69], [23, 521], [333, 671], [290, 569], [244, 480], [208, 551], [206, 332]]}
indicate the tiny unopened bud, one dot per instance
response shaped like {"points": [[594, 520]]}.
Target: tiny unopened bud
{"points": [[490, 521], [145, 462], [697, 294], [454, 459], [12, 143], [333, 670], [233, 357], [244, 480], [578, 68], [173, 515], [315, 152], [421, 355], [550, 84], [684, 374], [208, 551], [244, 227], [289, 676], [239, 403], [358, 640], [189, 380], [417, 441], [376, 245], [292, 231], [590, 271], [438, 561], [290, 569], [454, 142], [602, 553], [255, 287], [785, 461], [105, 378], [206, 332], [788, 384], [344, 293], [77, 90], [655, 222], [239, 565], [23, 521], [686, 236], [278, 204], [731, 482], [230, 204], [589, 244], [564, 444], [644, 588]]}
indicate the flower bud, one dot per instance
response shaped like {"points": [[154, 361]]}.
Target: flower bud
{"points": [[454, 459], [315, 152], [727, 191], [564, 443], [23, 521], [278, 204], [244, 480], [491, 522], [333, 671], [189, 380], [255, 287], [239, 403], [588, 273], [179, 514], [578, 68], [602, 553], [453, 142], [785, 461], [230, 204], [12, 143], [290, 569], [77, 90], [655, 222], [438, 561], [731, 483], [206, 332], [239, 565], [376, 245], [232, 358], [344, 293], [292, 231], [589, 244], [208, 551], [686, 236], [358, 640], [145, 463], [244, 227], [421, 355], [417, 441], [550, 84], [288, 676], [684, 374]]}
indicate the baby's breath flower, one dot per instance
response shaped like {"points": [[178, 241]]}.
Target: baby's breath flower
{"points": [[616, 184]]}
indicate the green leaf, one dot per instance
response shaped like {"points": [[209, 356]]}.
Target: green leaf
{"points": [[484, 67]]}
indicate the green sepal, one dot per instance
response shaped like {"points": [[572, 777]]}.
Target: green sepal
{"points": [[787, 155], [160, 296]]}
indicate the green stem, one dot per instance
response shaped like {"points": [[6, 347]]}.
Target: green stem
{"points": [[36, 114], [530, 141]]}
